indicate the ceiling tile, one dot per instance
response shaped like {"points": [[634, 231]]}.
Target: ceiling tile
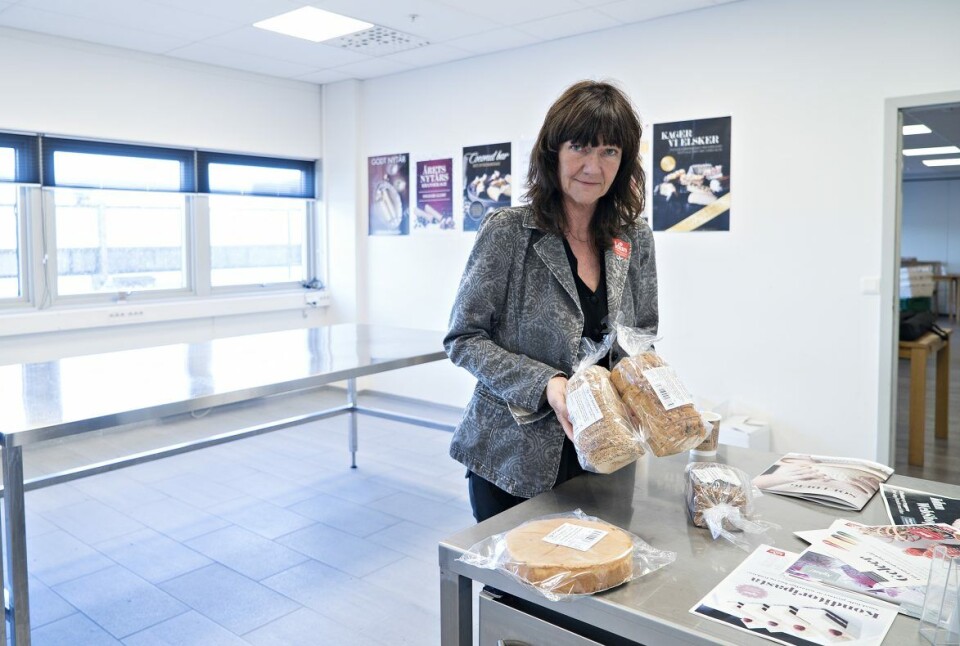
{"points": [[628, 11], [512, 12], [324, 76], [47, 22], [568, 24], [213, 55], [373, 67], [495, 40], [138, 14], [430, 55], [252, 40], [246, 12], [436, 22]]}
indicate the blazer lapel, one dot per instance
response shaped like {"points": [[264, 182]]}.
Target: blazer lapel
{"points": [[551, 252], [616, 264]]}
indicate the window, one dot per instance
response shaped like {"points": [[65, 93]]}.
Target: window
{"points": [[9, 240], [120, 216], [259, 235], [257, 240], [88, 221], [19, 164], [119, 241]]}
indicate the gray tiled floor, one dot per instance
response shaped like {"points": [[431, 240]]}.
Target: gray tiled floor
{"points": [[268, 540]]}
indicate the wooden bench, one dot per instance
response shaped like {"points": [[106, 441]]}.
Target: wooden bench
{"points": [[918, 352]]}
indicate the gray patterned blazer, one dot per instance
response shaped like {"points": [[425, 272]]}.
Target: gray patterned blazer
{"points": [[516, 323]]}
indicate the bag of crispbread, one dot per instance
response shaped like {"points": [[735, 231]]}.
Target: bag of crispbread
{"points": [[603, 434], [658, 403]]}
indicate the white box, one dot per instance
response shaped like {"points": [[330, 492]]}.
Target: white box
{"points": [[746, 432]]}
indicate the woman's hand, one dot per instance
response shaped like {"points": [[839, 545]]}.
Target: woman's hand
{"points": [[557, 398]]}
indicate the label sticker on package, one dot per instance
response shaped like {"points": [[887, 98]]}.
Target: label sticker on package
{"points": [[671, 392], [576, 536], [583, 409], [707, 475]]}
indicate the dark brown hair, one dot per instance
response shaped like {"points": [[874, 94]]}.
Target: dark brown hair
{"points": [[586, 113]]}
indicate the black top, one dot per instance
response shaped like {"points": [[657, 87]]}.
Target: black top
{"points": [[593, 304]]}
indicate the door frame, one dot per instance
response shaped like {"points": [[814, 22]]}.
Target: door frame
{"points": [[890, 262]]}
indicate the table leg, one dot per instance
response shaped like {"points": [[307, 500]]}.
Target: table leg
{"points": [[942, 391], [4, 606], [456, 609], [956, 299], [16, 539], [918, 401], [352, 437]]}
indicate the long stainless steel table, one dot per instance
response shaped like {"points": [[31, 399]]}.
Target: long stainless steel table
{"points": [[56, 399], [647, 498]]}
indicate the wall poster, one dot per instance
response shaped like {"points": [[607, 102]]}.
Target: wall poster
{"points": [[691, 175], [388, 179], [486, 182], [434, 210]]}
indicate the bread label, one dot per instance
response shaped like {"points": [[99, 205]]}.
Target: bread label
{"points": [[582, 408], [671, 392], [708, 475], [576, 536]]}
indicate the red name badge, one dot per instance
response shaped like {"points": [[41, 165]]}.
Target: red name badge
{"points": [[621, 248]]}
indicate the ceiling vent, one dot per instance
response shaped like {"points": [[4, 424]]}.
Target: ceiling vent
{"points": [[377, 41]]}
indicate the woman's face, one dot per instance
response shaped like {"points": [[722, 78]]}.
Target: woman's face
{"points": [[586, 172]]}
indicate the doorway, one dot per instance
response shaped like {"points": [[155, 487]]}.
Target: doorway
{"points": [[921, 238]]}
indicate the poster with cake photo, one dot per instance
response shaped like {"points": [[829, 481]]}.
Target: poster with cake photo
{"points": [[691, 175], [759, 598], [388, 181], [487, 182], [434, 210]]}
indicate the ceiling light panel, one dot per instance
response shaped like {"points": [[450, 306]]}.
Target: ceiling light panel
{"points": [[952, 161], [916, 129], [936, 150], [310, 23]]}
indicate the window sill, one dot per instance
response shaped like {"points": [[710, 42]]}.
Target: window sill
{"points": [[62, 318]]}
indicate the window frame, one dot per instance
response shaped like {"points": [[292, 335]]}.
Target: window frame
{"points": [[307, 193]]}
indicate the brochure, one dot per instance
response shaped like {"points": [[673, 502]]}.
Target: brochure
{"points": [[912, 507], [889, 562], [847, 483], [760, 599]]}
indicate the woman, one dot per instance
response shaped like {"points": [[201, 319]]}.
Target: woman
{"points": [[539, 278]]}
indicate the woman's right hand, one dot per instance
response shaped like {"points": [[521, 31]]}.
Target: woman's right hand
{"points": [[557, 398]]}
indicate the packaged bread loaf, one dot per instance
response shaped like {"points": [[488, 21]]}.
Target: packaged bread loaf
{"points": [[711, 484], [720, 498], [603, 434], [568, 554], [537, 553], [659, 405]]}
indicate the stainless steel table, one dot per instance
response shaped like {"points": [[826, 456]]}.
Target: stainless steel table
{"points": [[647, 498], [56, 399]]}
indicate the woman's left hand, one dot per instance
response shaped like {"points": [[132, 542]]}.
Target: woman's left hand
{"points": [[557, 398]]}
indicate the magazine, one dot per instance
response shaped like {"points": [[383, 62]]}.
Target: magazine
{"points": [[912, 507], [888, 562], [760, 599], [847, 483]]}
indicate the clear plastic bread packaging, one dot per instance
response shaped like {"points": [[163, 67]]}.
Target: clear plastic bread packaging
{"points": [[568, 555], [657, 401], [603, 434], [720, 498]]}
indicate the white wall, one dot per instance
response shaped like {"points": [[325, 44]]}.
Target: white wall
{"points": [[931, 222], [750, 315], [59, 86], [67, 87]]}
